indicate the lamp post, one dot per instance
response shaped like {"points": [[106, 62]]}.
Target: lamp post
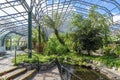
{"points": [[30, 31]]}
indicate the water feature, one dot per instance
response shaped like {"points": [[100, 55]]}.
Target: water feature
{"points": [[84, 73]]}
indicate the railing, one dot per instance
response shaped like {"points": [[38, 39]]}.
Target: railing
{"points": [[39, 66], [47, 66], [66, 74]]}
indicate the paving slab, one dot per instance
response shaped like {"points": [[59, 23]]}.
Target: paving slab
{"points": [[52, 74]]}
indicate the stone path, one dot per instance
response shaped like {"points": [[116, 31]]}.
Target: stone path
{"points": [[5, 63], [52, 74]]}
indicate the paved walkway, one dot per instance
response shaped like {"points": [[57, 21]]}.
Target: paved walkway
{"points": [[5, 63], [52, 74]]}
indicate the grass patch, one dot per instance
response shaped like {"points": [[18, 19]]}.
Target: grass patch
{"points": [[35, 58], [69, 58], [109, 60]]}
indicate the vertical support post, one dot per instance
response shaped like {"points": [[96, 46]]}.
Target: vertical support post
{"points": [[30, 32], [39, 34], [15, 53], [10, 43], [18, 44]]}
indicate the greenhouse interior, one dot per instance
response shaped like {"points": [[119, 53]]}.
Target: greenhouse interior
{"points": [[59, 39]]}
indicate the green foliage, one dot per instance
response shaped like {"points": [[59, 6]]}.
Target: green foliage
{"points": [[14, 42], [100, 21], [92, 31], [87, 37], [38, 45], [54, 47], [70, 58], [109, 60], [35, 58], [54, 23], [112, 49], [35, 35], [107, 49], [72, 44], [7, 42], [117, 49]]}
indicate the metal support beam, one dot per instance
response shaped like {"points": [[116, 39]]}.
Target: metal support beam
{"points": [[11, 43], [6, 4], [30, 32], [15, 22], [26, 7], [15, 15]]}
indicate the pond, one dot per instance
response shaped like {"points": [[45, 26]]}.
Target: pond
{"points": [[85, 73]]}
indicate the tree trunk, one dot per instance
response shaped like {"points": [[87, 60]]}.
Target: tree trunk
{"points": [[34, 44], [58, 37]]}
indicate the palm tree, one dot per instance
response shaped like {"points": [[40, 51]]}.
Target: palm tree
{"points": [[54, 23]]}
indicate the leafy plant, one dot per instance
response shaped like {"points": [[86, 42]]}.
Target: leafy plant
{"points": [[92, 31], [36, 57], [54, 23], [54, 47], [38, 45], [117, 49]]}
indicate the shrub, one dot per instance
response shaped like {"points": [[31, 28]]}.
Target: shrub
{"points": [[54, 47], [117, 50], [35, 58]]}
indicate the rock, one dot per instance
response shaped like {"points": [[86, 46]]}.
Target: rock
{"points": [[98, 64], [97, 69], [119, 69], [114, 68], [43, 68]]}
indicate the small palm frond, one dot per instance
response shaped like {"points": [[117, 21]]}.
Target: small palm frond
{"points": [[48, 21], [52, 22]]}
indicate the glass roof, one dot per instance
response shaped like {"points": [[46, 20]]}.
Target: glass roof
{"points": [[14, 13]]}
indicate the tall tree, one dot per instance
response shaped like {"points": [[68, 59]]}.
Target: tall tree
{"points": [[91, 31], [100, 21], [54, 22]]}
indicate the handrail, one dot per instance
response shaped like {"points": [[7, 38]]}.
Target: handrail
{"points": [[74, 75], [63, 71]]}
